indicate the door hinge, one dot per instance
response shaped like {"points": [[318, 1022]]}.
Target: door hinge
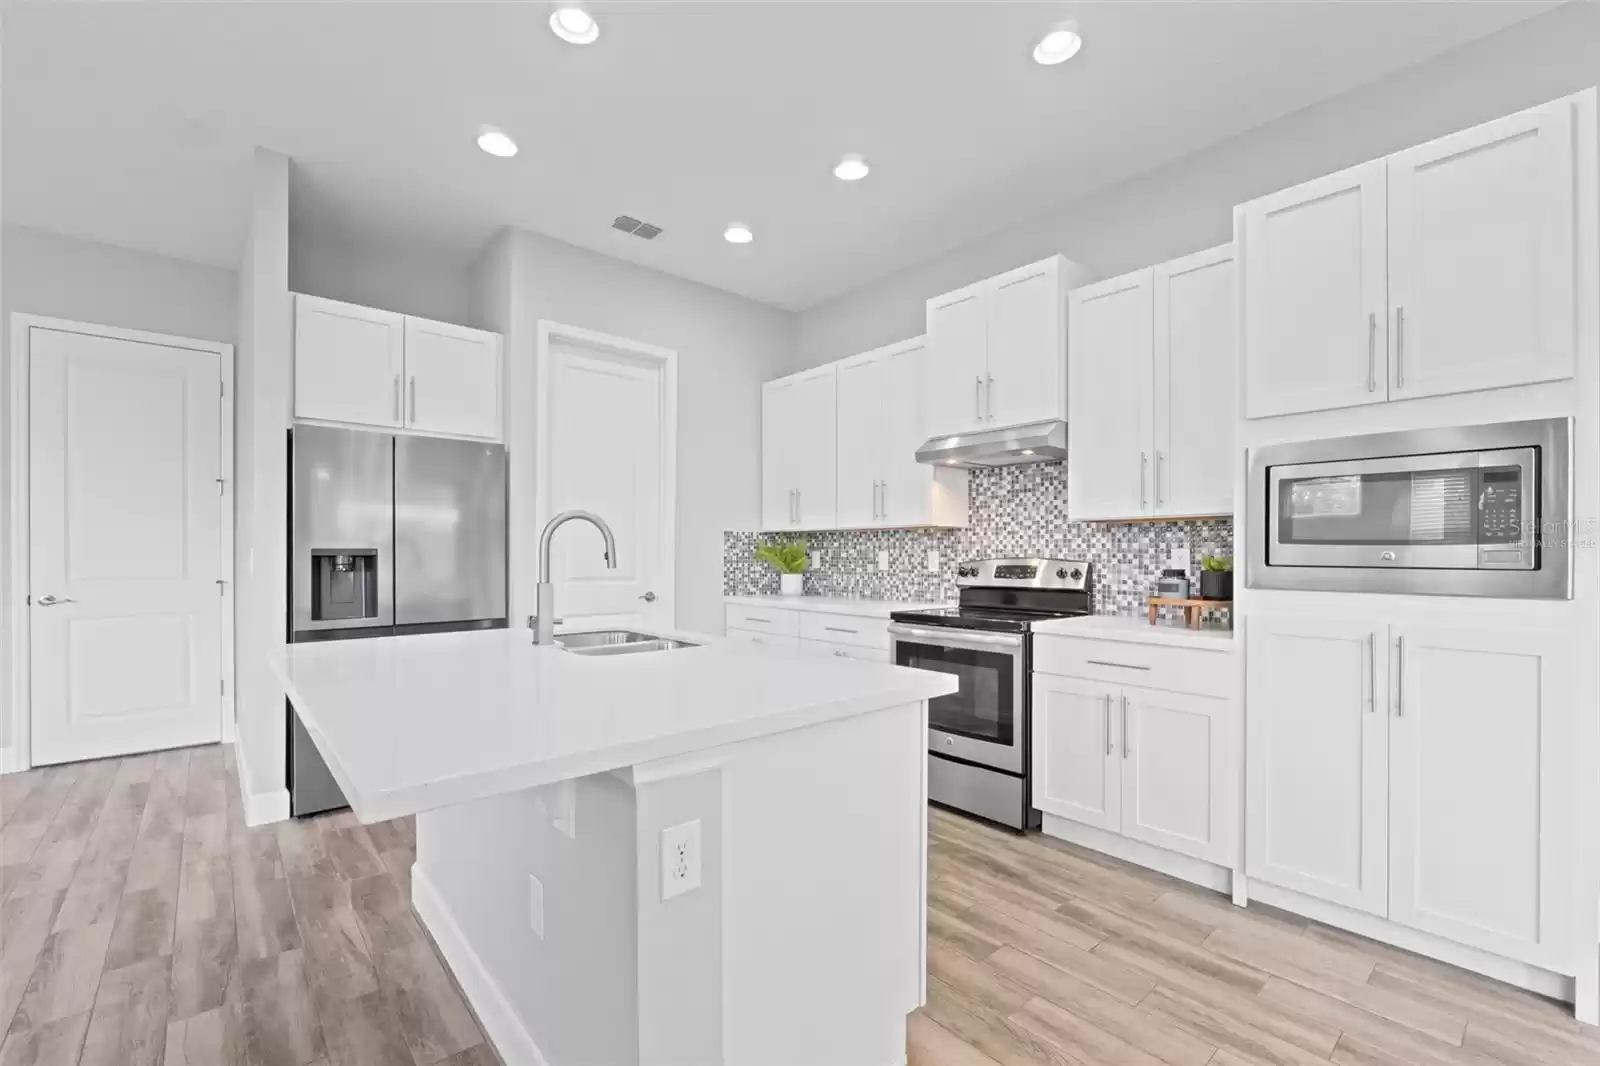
{"points": [[222, 388], [222, 486], [222, 587], [222, 688]]}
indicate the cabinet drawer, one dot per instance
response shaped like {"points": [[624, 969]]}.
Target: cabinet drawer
{"points": [[1202, 673], [771, 640], [763, 619], [844, 651], [845, 629]]}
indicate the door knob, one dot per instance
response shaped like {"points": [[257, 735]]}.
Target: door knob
{"points": [[51, 601], [648, 597]]}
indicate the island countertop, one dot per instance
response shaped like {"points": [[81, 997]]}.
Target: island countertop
{"points": [[415, 722]]}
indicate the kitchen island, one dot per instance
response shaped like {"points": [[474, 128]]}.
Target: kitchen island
{"points": [[715, 854]]}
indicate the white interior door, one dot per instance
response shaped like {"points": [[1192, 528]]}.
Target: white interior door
{"points": [[609, 447], [125, 536]]}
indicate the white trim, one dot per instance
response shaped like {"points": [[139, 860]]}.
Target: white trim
{"points": [[18, 754], [1521, 974], [260, 808], [548, 332], [395, 431], [1183, 867], [499, 1018]]}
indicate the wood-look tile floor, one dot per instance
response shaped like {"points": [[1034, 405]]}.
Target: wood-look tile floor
{"points": [[143, 924], [1041, 952]]}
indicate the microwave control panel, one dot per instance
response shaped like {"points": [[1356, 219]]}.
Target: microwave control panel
{"points": [[1500, 507]]}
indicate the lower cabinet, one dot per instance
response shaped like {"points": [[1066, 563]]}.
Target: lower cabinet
{"points": [[1148, 764], [1422, 773], [775, 640], [844, 651]]}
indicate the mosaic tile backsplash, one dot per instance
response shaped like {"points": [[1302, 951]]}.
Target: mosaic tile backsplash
{"points": [[1015, 511]]}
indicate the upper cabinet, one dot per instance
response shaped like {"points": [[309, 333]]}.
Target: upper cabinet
{"points": [[997, 350], [1446, 268], [361, 366], [798, 446], [1151, 382], [880, 427]]}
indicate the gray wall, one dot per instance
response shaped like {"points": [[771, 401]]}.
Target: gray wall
{"points": [[63, 277], [409, 280], [1187, 205]]}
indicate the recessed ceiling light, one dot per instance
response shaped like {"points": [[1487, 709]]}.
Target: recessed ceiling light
{"points": [[496, 143], [851, 168], [1059, 45], [738, 233], [1027, 451], [574, 24]]}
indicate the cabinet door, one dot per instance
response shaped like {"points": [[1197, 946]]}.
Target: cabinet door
{"points": [[452, 379], [1195, 314], [777, 458], [1109, 433], [1316, 752], [1483, 788], [1026, 380], [861, 434], [1315, 298], [1077, 765], [348, 362], [958, 362], [771, 640], [913, 493], [813, 446], [1482, 277], [1176, 770]]}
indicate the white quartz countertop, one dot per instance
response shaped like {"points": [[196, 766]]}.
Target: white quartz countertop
{"points": [[836, 604], [1137, 630], [415, 722]]}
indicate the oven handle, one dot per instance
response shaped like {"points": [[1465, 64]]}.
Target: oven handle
{"points": [[956, 637]]}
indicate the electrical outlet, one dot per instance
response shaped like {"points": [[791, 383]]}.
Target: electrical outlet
{"points": [[816, 560], [883, 561], [536, 906], [933, 562], [680, 859]]}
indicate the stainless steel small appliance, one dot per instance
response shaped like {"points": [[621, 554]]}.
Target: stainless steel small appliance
{"points": [[978, 737], [1471, 511], [391, 534]]}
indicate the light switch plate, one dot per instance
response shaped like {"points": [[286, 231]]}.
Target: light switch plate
{"points": [[1179, 559], [933, 562], [680, 859], [883, 561]]}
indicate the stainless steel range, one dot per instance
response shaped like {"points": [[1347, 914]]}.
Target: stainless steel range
{"points": [[978, 737]]}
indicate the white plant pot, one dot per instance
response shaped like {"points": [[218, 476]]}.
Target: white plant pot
{"points": [[791, 584]]}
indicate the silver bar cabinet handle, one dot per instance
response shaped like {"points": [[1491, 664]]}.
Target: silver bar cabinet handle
{"points": [[1399, 677], [1369, 648], [1127, 745], [1144, 466], [977, 398], [413, 397], [1399, 347], [1372, 351], [1159, 457], [1108, 723], [988, 399], [397, 397]]}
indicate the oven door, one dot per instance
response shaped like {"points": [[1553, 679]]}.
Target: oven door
{"points": [[985, 720]]}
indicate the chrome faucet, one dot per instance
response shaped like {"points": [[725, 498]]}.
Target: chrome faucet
{"points": [[544, 623]]}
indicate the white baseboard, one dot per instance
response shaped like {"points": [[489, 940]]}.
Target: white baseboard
{"points": [[1195, 871], [500, 1022], [260, 808], [1521, 974], [12, 760]]}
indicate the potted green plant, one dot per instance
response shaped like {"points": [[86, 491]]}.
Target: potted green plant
{"points": [[790, 561], [1216, 578]]}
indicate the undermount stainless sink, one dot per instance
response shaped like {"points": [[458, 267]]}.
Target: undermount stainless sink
{"points": [[618, 642]]}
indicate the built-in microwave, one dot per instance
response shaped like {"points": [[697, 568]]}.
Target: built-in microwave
{"points": [[1470, 511]]}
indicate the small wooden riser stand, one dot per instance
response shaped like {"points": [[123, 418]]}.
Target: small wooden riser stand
{"points": [[1193, 609]]}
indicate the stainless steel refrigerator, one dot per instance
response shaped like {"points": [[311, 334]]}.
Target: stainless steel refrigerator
{"points": [[391, 534]]}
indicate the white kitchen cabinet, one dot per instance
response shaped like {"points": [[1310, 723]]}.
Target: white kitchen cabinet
{"points": [[1482, 256], [1110, 398], [1077, 767], [1151, 396], [1449, 267], [771, 640], [880, 483], [799, 426], [364, 367], [1317, 748], [844, 651], [1174, 771], [998, 350], [1196, 314], [349, 362], [452, 379], [1483, 796], [1145, 761], [1315, 295]]}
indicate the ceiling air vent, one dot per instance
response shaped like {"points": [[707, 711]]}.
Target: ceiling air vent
{"points": [[629, 224]]}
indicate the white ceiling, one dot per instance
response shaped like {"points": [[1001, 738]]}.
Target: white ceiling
{"points": [[132, 123]]}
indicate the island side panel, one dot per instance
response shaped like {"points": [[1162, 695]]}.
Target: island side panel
{"points": [[572, 995], [823, 891]]}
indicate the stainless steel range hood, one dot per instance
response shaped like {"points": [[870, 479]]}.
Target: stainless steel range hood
{"points": [[1032, 442]]}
